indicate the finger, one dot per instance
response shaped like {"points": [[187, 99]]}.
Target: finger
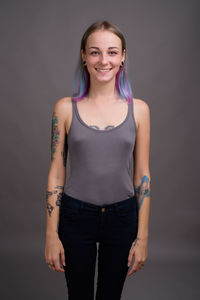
{"points": [[49, 263], [130, 259], [51, 267], [141, 266], [57, 265], [134, 268], [63, 258], [61, 266]]}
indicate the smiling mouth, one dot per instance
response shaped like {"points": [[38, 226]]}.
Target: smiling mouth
{"points": [[103, 70]]}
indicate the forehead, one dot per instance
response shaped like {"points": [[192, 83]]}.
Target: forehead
{"points": [[103, 39]]}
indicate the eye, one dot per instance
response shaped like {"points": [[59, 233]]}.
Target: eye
{"points": [[113, 52], [94, 52]]}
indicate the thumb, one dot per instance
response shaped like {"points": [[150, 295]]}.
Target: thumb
{"points": [[130, 257], [63, 257]]}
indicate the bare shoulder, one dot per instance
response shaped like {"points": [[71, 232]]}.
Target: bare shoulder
{"points": [[63, 110], [63, 103], [62, 107], [141, 105], [141, 110]]}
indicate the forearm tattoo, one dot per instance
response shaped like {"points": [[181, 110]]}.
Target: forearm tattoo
{"points": [[54, 135], [59, 194], [142, 191]]}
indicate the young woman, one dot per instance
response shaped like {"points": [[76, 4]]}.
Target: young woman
{"points": [[98, 187]]}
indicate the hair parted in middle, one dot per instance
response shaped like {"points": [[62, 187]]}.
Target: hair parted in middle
{"points": [[81, 83]]}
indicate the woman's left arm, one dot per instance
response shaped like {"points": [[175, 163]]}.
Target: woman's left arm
{"points": [[141, 183]]}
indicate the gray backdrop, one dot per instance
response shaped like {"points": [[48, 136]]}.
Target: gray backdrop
{"points": [[39, 50]]}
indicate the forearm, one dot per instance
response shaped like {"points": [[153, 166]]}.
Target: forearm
{"points": [[142, 188], [54, 192]]}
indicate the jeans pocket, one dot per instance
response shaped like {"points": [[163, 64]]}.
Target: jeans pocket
{"points": [[127, 218], [127, 215]]}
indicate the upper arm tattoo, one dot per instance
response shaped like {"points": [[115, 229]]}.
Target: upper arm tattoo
{"points": [[142, 191], [55, 132]]}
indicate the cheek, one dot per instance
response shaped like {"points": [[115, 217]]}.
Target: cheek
{"points": [[116, 61], [92, 61]]}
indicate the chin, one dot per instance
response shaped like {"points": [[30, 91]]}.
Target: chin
{"points": [[102, 78]]}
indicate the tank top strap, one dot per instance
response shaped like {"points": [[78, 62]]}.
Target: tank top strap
{"points": [[73, 103], [76, 115], [130, 107], [74, 111], [131, 112]]}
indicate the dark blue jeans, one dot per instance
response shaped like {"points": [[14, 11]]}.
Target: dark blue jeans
{"points": [[81, 226]]}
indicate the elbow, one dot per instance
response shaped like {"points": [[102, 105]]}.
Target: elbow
{"points": [[57, 174], [143, 177]]}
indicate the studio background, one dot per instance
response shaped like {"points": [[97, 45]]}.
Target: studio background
{"points": [[39, 51]]}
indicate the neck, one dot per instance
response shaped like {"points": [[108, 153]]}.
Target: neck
{"points": [[102, 91]]}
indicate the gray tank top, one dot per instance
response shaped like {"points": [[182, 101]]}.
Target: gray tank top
{"points": [[100, 162]]}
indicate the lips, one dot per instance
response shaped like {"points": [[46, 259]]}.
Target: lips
{"points": [[103, 70]]}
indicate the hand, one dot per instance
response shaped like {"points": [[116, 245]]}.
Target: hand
{"points": [[54, 253], [139, 250]]}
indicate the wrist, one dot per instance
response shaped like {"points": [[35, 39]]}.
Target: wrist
{"points": [[143, 233], [51, 234], [142, 237]]}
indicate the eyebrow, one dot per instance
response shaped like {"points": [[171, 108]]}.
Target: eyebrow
{"points": [[108, 47]]}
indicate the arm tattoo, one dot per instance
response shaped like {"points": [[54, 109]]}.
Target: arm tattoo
{"points": [[142, 191], [59, 198], [54, 134], [49, 206]]}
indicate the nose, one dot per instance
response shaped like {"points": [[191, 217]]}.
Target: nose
{"points": [[103, 59]]}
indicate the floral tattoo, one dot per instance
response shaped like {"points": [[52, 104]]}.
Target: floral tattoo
{"points": [[54, 135]]}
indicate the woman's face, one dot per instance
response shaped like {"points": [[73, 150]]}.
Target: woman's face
{"points": [[103, 55]]}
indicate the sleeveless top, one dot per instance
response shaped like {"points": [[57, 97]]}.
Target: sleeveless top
{"points": [[99, 166]]}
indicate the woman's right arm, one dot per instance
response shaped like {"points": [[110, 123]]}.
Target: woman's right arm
{"points": [[55, 186]]}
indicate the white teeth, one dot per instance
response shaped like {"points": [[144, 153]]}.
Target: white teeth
{"points": [[103, 70]]}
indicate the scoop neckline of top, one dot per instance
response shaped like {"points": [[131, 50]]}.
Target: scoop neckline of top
{"points": [[100, 130]]}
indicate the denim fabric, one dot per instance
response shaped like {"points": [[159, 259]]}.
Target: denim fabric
{"points": [[81, 226]]}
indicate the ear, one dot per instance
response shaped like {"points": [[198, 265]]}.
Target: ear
{"points": [[124, 55], [82, 55]]}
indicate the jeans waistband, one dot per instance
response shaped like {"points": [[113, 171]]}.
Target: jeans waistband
{"points": [[74, 202]]}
